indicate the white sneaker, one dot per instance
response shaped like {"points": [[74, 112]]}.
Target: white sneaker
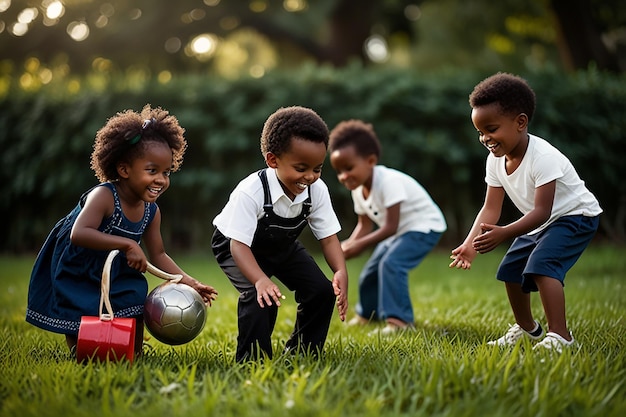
{"points": [[357, 321], [554, 342], [514, 334]]}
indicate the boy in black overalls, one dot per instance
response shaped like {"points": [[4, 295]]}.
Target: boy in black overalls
{"points": [[256, 237]]}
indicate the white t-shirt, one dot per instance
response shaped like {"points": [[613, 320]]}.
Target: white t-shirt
{"points": [[541, 164], [238, 219], [418, 211]]}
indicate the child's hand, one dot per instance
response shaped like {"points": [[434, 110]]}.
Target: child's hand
{"points": [[462, 257], [489, 238], [350, 249], [340, 286], [459, 262], [136, 258], [208, 293], [267, 291]]}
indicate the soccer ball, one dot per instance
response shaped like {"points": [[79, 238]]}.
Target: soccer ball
{"points": [[174, 313]]}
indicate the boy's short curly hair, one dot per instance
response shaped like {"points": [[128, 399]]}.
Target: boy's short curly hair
{"points": [[292, 122], [126, 136], [355, 133], [512, 93]]}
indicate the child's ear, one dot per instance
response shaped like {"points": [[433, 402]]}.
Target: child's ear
{"points": [[522, 121], [122, 170], [270, 160]]}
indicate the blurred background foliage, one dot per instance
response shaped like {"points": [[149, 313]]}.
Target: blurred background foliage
{"points": [[46, 40], [223, 66]]}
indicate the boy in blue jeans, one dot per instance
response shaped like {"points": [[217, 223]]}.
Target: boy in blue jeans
{"points": [[395, 215], [559, 214]]}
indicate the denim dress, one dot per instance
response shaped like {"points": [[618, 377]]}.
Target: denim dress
{"points": [[65, 281]]}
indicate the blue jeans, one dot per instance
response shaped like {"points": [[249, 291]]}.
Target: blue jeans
{"points": [[384, 281]]}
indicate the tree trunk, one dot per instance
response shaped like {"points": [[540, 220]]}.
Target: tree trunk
{"points": [[580, 38]]}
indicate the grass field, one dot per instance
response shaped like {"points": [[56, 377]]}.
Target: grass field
{"points": [[443, 369]]}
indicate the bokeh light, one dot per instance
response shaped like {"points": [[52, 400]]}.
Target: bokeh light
{"points": [[376, 49], [79, 31], [258, 6], [412, 12], [102, 21], [202, 46], [164, 77], [54, 9], [107, 9], [172, 45], [27, 15], [4, 5], [295, 5], [19, 29], [135, 14]]}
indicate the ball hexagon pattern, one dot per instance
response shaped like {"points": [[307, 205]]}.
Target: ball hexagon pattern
{"points": [[174, 313]]}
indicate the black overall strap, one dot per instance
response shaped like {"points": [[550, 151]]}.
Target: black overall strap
{"points": [[267, 198], [306, 205]]}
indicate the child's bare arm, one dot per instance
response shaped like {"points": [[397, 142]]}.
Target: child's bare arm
{"points": [[268, 292], [367, 236], [492, 235], [336, 261], [85, 233], [464, 254]]}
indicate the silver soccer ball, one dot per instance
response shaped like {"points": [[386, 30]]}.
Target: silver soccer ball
{"points": [[174, 313]]}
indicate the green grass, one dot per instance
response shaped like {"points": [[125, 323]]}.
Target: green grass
{"points": [[443, 369]]}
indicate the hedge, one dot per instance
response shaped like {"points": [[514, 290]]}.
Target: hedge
{"points": [[422, 121]]}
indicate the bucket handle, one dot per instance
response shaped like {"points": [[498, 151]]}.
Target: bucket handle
{"points": [[175, 278], [106, 283]]}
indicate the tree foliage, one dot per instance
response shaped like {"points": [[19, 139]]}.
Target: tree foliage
{"points": [[253, 37]]}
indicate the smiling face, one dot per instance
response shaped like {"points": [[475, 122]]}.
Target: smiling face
{"points": [[503, 134], [353, 169], [299, 166], [148, 176]]}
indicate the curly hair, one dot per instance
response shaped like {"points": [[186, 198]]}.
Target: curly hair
{"points": [[512, 93], [292, 122], [126, 136], [355, 133]]}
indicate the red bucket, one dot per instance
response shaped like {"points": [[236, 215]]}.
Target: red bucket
{"points": [[106, 340], [106, 337]]}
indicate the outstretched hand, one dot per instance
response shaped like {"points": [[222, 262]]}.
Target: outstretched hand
{"points": [[208, 293], [459, 263], [462, 257], [489, 238]]}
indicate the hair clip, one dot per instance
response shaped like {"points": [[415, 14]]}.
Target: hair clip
{"points": [[131, 140], [147, 123]]}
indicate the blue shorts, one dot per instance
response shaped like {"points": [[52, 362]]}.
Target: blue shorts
{"points": [[551, 252]]}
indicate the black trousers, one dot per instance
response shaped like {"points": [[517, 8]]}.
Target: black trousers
{"points": [[299, 272]]}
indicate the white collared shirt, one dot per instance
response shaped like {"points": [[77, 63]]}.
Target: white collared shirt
{"points": [[238, 219]]}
